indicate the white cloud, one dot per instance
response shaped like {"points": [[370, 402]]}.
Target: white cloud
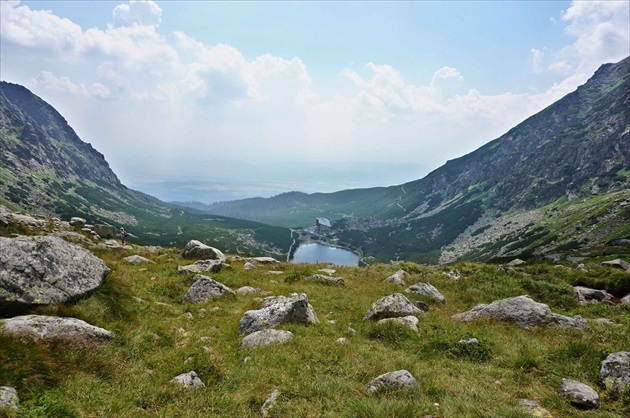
{"points": [[49, 82], [141, 12], [537, 60]]}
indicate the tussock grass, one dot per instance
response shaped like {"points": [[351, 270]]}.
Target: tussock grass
{"points": [[156, 340]]}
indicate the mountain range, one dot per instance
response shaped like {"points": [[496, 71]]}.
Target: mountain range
{"points": [[560, 179]]}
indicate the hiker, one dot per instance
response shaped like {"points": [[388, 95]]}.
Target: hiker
{"points": [[123, 234]]}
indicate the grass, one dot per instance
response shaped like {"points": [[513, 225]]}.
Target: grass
{"points": [[155, 341]]}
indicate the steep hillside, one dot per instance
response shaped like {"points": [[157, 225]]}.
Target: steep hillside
{"points": [[576, 149], [45, 168]]}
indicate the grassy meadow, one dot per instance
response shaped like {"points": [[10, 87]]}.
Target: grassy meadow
{"points": [[157, 337]]}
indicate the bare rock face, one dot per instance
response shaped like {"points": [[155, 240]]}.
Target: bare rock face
{"points": [[206, 289], [189, 380], [586, 295], [579, 394], [615, 371], [294, 310], [426, 290], [392, 380], [198, 250], [524, 312], [46, 270], [53, 328], [9, 399], [265, 337], [392, 306]]}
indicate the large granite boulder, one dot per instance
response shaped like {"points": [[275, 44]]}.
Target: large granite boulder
{"points": [[426, 290], [77, 222], [198, 250], [294, 310], [106, 231], [392, 380], [615, 371], [46, 270], [265, 337], [52, 328], [206, 289], [392, 306], [524, 312], [579, 394]]}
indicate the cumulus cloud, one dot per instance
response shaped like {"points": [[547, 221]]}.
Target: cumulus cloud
{"points": [[138, 12], [49, 82]]}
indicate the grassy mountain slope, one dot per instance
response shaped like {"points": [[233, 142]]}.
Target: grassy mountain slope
{"points": [[157, 337], [46, 168], [575, 149]]}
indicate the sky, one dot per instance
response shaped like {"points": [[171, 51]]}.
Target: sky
{"points": [[210, 100]]}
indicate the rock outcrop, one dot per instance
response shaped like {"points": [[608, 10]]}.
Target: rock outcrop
{"points": [[615, 371], [392, 306], [294, 310], [586, 295], [53, 328], [202, 266], [522, 311], [198, 250], [265, 337], [392, 380], [618, 264], [206, 289], [46, 270], [426, 290], [579, 394]]}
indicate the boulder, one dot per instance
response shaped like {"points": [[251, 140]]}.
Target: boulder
{"points": [[397, 278], [265, 337], [77, 222], [8, 399], [263, 260], [189, 380], [249, 290], [426, 290], [392, 380], [515, 262], [248, 266], [202, 266], [586, 295], [579, 394], [46, 270], [5, 215], [625, 300], [52, 328], [26, 220], [137, 259], [618, 264], [624, 242], [615, 371], [406, 321], [327, 280], [206, 289], [106, 231], [295, 310], [342, 341], [198, 250], [271, 300], [392, 306], [533, 407], [469, 341], [523, 311]]}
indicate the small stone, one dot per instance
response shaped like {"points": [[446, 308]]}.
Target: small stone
{"points": [[269, 403], [189, 380], [579, 394], [137, 259], [515, 262], [9, 398], [410, 322], [392, 380], [342, 341], [534, 408], [469, 341], [265, 337]]}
